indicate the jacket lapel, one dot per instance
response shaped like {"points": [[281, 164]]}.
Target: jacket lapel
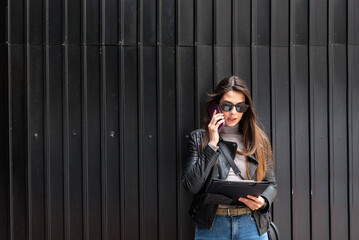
{"points": [[224, 165]]}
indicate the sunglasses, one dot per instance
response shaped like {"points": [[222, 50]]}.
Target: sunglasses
{"points": [[242, 107]]}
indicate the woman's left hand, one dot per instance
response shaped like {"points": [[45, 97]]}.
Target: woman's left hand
{"points": [[254, 203]]}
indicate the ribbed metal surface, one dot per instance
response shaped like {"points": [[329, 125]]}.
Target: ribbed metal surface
{"points": [[101, 93]]}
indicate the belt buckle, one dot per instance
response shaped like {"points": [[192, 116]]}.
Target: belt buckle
{"points": [[228, 212]]}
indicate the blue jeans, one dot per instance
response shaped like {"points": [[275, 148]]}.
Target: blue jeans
{"points": [[241, 227]]}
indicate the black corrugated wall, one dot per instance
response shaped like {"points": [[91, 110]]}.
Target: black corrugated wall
{"points": [[98, 95]]}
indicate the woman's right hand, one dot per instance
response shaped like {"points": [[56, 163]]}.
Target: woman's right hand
{"points": [[217, 119]]}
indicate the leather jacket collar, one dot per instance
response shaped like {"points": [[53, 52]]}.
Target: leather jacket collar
{"points": [[224, 167]]}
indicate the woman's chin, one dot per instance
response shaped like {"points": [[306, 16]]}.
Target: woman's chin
{"points": [[231, 124]]}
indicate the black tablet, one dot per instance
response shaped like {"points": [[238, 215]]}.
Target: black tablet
{"points": [[235, 190]]}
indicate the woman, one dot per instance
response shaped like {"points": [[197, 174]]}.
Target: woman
{"points": [[217, 218]]}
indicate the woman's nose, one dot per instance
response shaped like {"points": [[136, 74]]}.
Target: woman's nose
{"points": [[233, 110]]}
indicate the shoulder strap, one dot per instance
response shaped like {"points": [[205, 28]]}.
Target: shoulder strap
{"points": [[225, 151]]}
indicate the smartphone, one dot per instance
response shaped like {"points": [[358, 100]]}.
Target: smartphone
{"points": [[211, 108]]}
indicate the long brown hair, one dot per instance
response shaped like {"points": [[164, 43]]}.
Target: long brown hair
{"points": [[255, 141]]}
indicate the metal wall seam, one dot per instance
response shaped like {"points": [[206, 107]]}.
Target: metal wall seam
{"points": [[312, 134], [178, 136], [293, 134], [29, 159], [160, 167], [28, 125], [140, 133], [121, 136], [353, 193], [121, 117], [178, 122], [104, 187], [159, 132], [140, 98], [66, 123], [273, 126], [47, 132], [10, 133], [351, 165], [85, 146], [66, 144], [103, 119], [9, 227], [311, 68]]}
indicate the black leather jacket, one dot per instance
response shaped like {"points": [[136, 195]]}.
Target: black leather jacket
{"points": [[198, 170]]}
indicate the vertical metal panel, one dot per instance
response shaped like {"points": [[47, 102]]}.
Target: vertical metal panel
{"points": [[73, 174], [204, 59], [93, 127], [53, 145], [91, 21], [109, 23], [185, 22], [242, 64], [300, 142], [281, 137], [130, 148], [223, 22], [338, 141], [148, 120], [319, 121], [222, 63], [148, 22], [261, 86], [110, 173], [280, 23], [185, 123], [15, 20], [129, 22], [299, 22], [337, 21], [204, 23], [35, 139], [319, 142], [166, 30], [241, 22], [17, 143], [72, 21], [318, 17], [54, 17], [261, 22], [35, 21], [166, 114], [167, 179]]}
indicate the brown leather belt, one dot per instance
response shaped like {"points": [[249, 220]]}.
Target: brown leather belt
{"points": [[233, 211]]}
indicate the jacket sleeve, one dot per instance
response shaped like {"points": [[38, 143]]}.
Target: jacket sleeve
{"points": [[271, 192], [197, 165]]}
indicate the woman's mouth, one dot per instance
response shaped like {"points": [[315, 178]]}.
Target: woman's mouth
{"points": [[232, 119]]}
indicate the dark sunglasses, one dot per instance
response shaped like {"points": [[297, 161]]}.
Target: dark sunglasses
{"points": [[242, 107]]}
